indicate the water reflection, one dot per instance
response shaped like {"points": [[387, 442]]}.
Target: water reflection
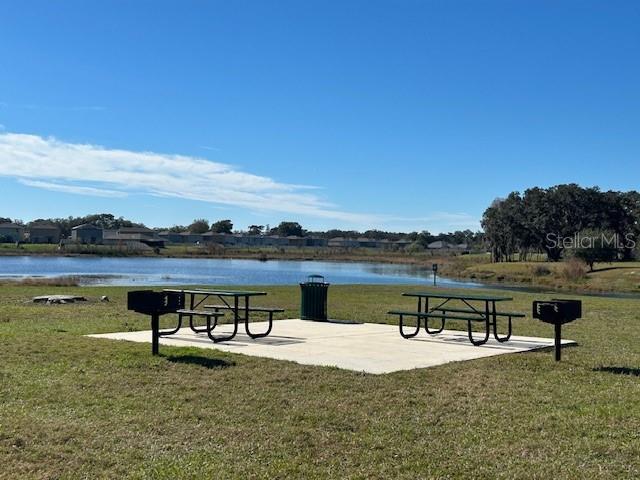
{"points": [[189, 271]]}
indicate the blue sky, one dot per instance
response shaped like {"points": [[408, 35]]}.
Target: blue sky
{"points": [[400, 115]]}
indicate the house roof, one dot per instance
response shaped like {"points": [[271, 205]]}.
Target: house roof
{"points": [[10, 225], [86, 226], [439, 244], [44, 225], [135, 230]]}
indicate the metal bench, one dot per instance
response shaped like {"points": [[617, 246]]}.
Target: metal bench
{"points": [[195, 313]]}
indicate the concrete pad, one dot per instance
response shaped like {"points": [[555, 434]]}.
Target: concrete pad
{"points": [[363, 347]]}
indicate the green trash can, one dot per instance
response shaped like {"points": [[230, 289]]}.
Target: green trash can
{"points": [[313, 302]]}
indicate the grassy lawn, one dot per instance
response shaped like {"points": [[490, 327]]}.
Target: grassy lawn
{"points": [[606, 277], [76, 407]]}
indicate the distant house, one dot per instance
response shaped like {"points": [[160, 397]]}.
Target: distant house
{"points": [[293, 241], [364, 242], [133, 237], [274, 241], [11, 232], [384, 243], [43, 232], [170, 237], [442, 245], [343, 242], [213, 238], [402, 243], [87, 233], [315, 242], [191, 238]]}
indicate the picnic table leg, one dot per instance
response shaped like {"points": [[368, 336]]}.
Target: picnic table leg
{"points": [[495, 327], [246, 322], [166, 333], [434, 332], [409, 335], [236, 313], [426, 320], [260, 335], [487, 328], [198, 329]]}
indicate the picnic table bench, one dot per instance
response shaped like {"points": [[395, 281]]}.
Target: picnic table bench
{"points": [[236, 302], [471, 309]]}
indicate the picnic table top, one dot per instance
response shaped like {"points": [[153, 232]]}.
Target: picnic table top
{"points": [[480, 298], [219, 293]]}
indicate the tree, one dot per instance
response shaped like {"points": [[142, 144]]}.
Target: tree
{"points": [[256, 229], [5, 220], [222, 226], [424, 238], [287, 229], [502, 223], [178, 229], [545, 220], [199, 225], [596, 246]]}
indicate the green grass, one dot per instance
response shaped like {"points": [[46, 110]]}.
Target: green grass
{"points": [[606, 277], [77, 407]]}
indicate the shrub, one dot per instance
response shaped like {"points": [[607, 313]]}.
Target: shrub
{"points": [[414, 247], [600, 246], [573, 269], [540, 271]]}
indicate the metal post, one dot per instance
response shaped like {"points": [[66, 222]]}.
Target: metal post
{"points": [[558, 341], [155, 333]]}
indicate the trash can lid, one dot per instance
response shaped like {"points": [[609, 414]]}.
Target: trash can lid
{"points": [[315, 279]]}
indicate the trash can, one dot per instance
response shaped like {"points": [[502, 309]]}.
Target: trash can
{"points": [[313, 302]]}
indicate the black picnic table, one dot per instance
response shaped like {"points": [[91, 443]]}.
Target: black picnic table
{"points": [[236, 301], [474, 308]]}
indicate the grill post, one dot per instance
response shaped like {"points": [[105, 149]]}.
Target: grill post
{"points": [[155, 333], [558, 341]]}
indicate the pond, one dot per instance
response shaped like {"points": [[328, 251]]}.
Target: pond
{"points": [[128, 271]]}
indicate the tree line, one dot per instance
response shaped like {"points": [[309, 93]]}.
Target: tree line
{"points": [[556, 220]]}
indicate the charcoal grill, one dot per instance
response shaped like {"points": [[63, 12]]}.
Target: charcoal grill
{"points": [[155, 304], [557, 312]]}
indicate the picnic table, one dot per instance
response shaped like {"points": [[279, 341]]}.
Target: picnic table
{"points": [[235, 301], [448, 306]]}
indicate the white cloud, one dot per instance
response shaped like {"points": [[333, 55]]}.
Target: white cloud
{"points": [[76, 168], [56, 187], [93, 170]]}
